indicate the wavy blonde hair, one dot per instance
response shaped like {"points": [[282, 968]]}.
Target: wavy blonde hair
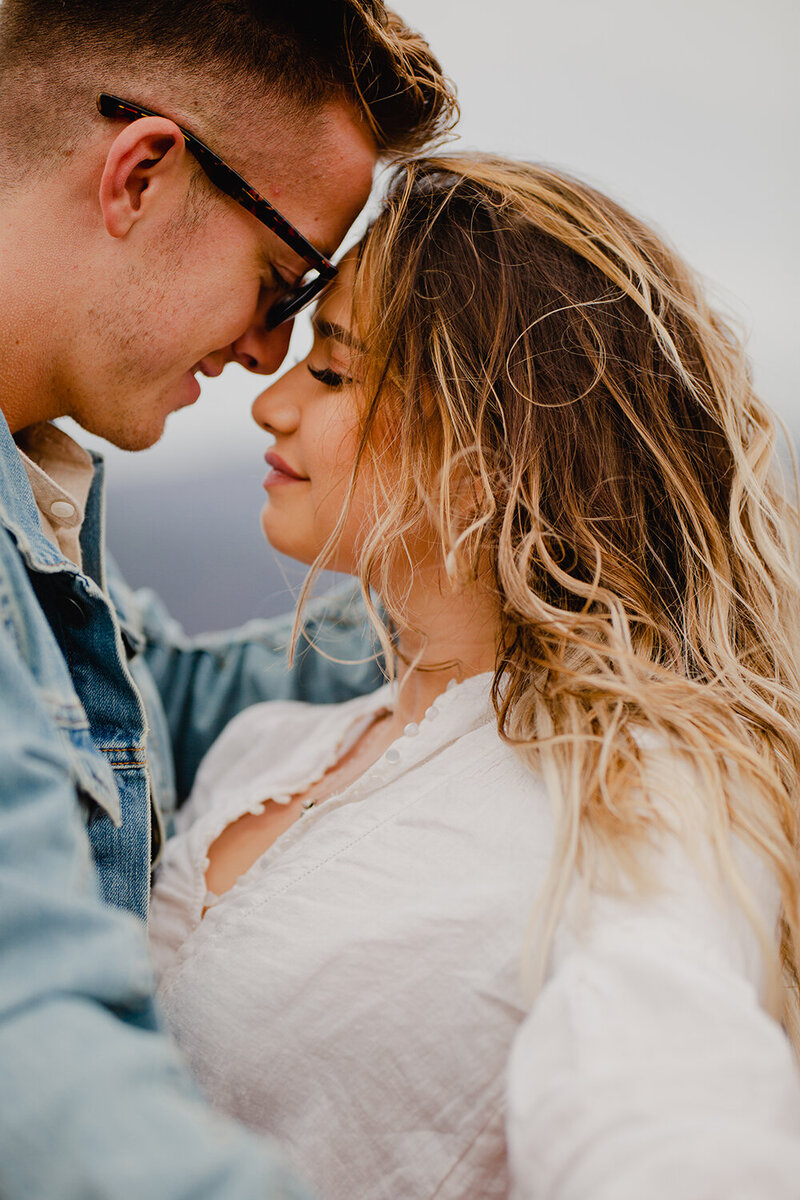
{"points": [[524, 330]]}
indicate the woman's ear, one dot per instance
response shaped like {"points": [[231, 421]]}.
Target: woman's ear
{"points": [[143, 168]]}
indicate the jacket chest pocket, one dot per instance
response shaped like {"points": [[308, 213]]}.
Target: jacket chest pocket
{"points": [[90, 771]]}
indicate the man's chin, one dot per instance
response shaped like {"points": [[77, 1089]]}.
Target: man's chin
{"points": [[139, 430], [126, 435], [136, 441]]}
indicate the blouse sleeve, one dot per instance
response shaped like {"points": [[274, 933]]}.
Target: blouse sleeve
{"points": [[234, 743], [648, 1066], [242, 753], [262, 747]]}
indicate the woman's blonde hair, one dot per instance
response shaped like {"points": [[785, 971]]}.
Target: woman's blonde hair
{"points": [[525, 332]]}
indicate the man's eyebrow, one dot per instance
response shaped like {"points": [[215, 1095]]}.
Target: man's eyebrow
{"points": [[328, 331]]}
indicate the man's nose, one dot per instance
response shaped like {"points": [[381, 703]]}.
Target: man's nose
{"points": [[262, 350]]}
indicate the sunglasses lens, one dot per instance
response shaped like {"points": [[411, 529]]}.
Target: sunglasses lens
{"points": [[292, 302]]}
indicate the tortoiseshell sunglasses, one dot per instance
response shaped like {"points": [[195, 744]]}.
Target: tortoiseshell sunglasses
{"points": [[298, 295]]}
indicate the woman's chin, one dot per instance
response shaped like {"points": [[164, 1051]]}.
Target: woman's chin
{"points": [[304, 546], [282, 539]]}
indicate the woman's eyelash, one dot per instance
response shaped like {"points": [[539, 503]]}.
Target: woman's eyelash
{"points": [[328, 377]]}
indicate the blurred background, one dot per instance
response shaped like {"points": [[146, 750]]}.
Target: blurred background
{"points": [[685, 110]]}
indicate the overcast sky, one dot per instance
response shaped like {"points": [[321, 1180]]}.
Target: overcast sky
{"points": [[686, 110]]}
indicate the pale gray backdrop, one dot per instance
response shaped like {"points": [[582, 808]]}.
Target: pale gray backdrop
{"points": [[684, 109]]}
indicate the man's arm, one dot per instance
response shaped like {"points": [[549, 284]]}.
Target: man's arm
{"points": [[205, 681], [94, 1099]]}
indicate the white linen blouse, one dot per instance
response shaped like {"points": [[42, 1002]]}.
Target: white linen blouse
{"points": [[356, 993]]}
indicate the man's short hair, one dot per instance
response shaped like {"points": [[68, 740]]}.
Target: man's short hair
{"points": [[300, 53]]}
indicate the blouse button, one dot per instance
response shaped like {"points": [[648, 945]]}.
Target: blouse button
{"points": [[392, 755], [411, 730], [431, 713]]}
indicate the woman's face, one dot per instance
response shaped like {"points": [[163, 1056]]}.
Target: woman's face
{"points": [[313, 412]]}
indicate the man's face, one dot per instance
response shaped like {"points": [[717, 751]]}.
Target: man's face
{"points": [[187, 296]]}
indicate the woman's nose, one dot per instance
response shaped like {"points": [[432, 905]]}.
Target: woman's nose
{"points": [[276, 409]]}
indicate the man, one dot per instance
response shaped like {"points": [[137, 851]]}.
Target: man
{"points": [[132, 258]]}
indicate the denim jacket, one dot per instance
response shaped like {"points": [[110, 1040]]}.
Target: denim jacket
{"points": [[105, 711]]}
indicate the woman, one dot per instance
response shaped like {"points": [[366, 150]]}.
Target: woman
{"points": [[521, 425]]}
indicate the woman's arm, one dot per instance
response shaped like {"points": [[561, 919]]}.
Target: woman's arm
{"points": [[648, 1067]]}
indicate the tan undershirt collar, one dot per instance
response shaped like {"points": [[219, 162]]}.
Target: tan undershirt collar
{"points": [[60, 474]]}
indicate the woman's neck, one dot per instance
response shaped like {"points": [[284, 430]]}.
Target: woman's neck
{"points": [[448, 634]]}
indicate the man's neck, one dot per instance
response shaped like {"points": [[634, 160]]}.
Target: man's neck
{"points": [[29, 335]]}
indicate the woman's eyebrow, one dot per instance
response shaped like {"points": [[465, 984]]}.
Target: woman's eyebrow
{"points": [[328, 331]]}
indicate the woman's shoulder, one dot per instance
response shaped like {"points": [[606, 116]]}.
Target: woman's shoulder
{"points": [[273, 719], [272, 736]]}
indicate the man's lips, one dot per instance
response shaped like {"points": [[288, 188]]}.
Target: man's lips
{"points": [[281, 472], [188, 393], [190, 384]]}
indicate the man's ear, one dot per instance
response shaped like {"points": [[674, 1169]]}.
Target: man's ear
{"points": [[142, 167]]}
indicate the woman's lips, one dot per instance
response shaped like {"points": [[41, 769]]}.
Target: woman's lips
{"points": [[281, 471]]}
